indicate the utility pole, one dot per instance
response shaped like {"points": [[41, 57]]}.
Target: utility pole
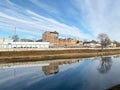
{"points": [[15, 36], [15, 30]]}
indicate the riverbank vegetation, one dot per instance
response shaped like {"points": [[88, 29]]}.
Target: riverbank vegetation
{"points": [[21, 56], [117, 87]]}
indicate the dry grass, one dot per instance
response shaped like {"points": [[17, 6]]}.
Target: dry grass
{"points": [[51, 52], [21, 56]]}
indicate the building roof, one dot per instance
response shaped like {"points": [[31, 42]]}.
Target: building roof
{"points": [[55, 32], [26, 40], [40, 40], [93, 41]]}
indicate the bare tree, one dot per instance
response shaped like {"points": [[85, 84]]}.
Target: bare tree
{"points": [[104, 40], [15, 38], [105, 65]]}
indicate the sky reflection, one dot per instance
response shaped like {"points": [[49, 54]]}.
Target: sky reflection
{"points": [[87, 74]]}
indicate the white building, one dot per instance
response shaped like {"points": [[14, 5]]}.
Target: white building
{"points": [[2, 40], [8, 43], [25, 45], [92, 44], [113, 45], [5, 40]]}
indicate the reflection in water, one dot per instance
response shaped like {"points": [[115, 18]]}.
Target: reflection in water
{"points": [[105, 65], [53, 67], [61, 74], [116, 56], [49, 67]]}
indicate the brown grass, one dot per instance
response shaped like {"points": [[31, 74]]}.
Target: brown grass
{"points": [[21, 56]]}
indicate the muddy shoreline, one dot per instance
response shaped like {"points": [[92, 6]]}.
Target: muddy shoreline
{"points": [[23, 56]]}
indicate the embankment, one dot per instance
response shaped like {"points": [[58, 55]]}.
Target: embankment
{"points": [[23, 56]]}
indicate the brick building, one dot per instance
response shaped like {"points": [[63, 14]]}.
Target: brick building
{"points": [[53, 68], [53, 38], [65, 42]]}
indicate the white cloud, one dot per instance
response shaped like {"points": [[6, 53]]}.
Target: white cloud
{"points": [[45, 7], [34, 23], [102, 16], [96, 16]]}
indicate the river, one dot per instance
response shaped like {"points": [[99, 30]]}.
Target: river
{"points": [[97, 73]]}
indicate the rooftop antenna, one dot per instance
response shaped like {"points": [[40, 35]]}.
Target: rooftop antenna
{"points": [[15, 30]]}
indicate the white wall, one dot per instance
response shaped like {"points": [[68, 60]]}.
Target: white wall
{"points": [[26, 45]]}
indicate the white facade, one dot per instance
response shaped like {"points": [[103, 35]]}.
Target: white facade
{"points": [[92, 45], [2, 40], [113, 45], [5, 40], [25, 45]]}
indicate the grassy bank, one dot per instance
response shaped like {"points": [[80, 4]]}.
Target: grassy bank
{"points": [[117, 87], [20, 56]]}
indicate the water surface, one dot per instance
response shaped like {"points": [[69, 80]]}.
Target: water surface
{"points": [[97, 73]]}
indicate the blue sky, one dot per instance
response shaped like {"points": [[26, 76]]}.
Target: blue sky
{"points": [[83, 19]]}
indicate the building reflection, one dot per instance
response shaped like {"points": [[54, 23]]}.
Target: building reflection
{"points": [[53, 67], [116, 56], [105, 65]]}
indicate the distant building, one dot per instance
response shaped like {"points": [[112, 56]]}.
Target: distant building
{"points": [[112, 45], [2, 40], [40, 40], [5, 40], [26, 40], [53, 38], [91, 44], [25, 45], [65, 42], [80, 43]]}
